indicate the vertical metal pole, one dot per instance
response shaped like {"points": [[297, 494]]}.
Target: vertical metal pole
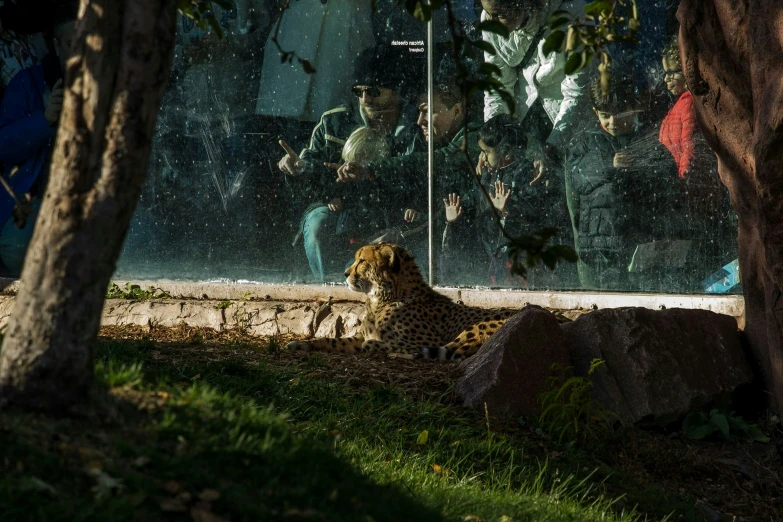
{"points": [[430, 159]]}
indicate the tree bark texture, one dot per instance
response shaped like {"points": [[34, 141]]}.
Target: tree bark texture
{"points": [[732, 55], [114, 85]]}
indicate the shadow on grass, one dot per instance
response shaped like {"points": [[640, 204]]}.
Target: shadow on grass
{"points": [[156, 451]]}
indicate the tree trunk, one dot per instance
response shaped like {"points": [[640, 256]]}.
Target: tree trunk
{"points": [[114, 85], [732, 54]]}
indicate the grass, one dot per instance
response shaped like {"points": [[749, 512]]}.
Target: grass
{"points": [[181, 437]]}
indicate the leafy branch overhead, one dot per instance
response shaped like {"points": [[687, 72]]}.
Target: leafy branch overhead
{"points": [[487, 78], [200, 11], [606, 22]]}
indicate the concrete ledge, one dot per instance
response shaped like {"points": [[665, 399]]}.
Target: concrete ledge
{"points": [[261, 318], [306, 310]]}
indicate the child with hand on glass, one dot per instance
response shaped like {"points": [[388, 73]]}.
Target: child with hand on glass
{"points": [[519, 201]]}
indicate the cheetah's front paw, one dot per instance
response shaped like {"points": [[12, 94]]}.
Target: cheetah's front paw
{"points": [[299, 345]]}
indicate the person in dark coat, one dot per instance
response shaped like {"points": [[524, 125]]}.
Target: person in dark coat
{"points": [[474, 247], [29, 115], [381, 84], [619, 182]]}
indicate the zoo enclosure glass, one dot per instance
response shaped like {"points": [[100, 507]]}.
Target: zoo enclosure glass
{"points": [[216, 205]]}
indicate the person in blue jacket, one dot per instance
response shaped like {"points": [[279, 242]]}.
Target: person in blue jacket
{"points": [[29, 113]]}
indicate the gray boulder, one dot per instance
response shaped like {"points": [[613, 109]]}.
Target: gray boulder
{"points": [[659, 364], [511, 368]]}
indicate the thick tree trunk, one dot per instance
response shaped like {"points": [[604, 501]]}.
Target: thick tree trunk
{"points": [[115, 82], [732, 54]]}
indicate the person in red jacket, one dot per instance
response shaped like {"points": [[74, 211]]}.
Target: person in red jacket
{"points": [[677, 128], [707, 218]]}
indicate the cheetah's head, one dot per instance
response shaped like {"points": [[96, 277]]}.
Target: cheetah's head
{"points": [[382, 268]]}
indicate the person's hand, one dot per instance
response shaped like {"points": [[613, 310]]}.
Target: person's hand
{"points": [[500, 198], [335, 205], [55, 104], [411, 215], [350, 172], [482, 164], [453, 208], [543, 165], [621, 159], [539, 169], [291, 164]]}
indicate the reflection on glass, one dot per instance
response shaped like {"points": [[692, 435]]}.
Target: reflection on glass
{"points": [[625, 175], [263, 172]]}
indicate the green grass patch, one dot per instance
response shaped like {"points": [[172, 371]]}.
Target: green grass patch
{"points": [[279, 441]]}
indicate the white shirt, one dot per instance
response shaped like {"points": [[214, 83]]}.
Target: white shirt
{"points": [[542, 78]]}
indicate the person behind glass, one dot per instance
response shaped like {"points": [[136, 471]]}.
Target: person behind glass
{"points": [[703, 199], [370, 208], [618, 186], [679, 125], [537, 82], [406, 175], [381, 79], [525, 204], [29, 114]]}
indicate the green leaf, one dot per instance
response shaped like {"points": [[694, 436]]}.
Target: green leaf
{"points": [[493, 26], [702, 432], [215, 25], [737, 425], [558, 19], [720, 422], [554, 42], [423, 437], [557, 23], [559, 13], [484, 46], [594, 365], [422, 12], [755, 434], [573, 63], [597, 7], [693, 421], [587, 57], [508, 100]]}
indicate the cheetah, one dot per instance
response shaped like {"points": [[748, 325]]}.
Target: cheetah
{"points": [[405, 317]]}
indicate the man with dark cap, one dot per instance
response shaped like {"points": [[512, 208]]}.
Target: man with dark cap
{"points": [[383, 76]]}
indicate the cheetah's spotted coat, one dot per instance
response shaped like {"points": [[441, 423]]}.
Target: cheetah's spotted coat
{"points": [[405, 316]]}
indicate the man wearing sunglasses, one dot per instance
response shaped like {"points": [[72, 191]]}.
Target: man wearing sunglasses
{"points": [[446, 130], [383, 77]]}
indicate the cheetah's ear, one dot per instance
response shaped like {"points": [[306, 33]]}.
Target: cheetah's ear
{"points": [[392, 258]]}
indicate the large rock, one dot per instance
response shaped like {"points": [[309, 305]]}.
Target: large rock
{"points": [[659, 364], [511, 369]]}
